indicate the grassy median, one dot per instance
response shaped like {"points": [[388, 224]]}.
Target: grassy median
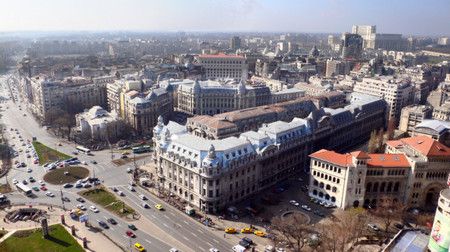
{"points": [[57, 176], [47, 154], [107, 200], [31, 240]]}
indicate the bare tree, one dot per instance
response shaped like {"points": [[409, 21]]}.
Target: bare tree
{"points": [[344, 231], [292, 229], [389, 210]]}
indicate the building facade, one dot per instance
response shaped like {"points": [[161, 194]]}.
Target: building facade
{"points": [[352, 45], [413, 115], [222, 66], [397, 93], [98, 124], [440, 232], [411, 172]]}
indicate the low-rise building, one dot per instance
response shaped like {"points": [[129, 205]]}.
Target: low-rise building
{"points": [[436, 129], [413, 115], [98, 124], [412, 171]]}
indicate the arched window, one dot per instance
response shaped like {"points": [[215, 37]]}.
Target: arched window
{"points": [[314, 192], [320, 194], [369, 187], [382, 186], [333, 199], [328, 187], [334, 189], [327, 197], [396, 186], [375, 187], [389, 187], [321, 185], [316, 183]]}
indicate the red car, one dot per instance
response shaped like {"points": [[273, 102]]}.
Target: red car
{"points": [[36, 161], [43, 188], [130, 234]]}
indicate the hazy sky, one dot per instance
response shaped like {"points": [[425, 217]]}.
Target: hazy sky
{"points": [[425, 17]]}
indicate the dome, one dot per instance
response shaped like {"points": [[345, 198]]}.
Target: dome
{"points": [[314, 52], [97, 111]]}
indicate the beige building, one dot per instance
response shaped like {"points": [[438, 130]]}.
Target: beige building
{"points": [[398, 93], [413, 115], [215, 97], [214, 174], [442, 112], [71, 94], [222, 66], [142, 109], [412, 171], [98, 124]]}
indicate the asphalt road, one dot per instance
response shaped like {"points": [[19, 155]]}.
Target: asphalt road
{"points": [[171, 221]]}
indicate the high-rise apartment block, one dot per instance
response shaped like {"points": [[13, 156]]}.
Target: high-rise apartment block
{"points": [[412, 116], [337, 67], [352, 45], [367, 32], [235, 43]]}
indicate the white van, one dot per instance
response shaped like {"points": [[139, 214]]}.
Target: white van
{"points": [[238, 248]]}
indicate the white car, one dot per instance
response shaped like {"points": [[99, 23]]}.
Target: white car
{"points": [[49, 194], [129, 170], [142, 196], [15, 181], [307, 208], [131, 188], [145, 205], [81, 207], [213, 250], [120, 193], [29, 170], [93, 209], [174, 250], [41, 182], [294, 203]]}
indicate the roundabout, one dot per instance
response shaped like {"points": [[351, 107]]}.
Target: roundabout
{"points": [[64, 175]]}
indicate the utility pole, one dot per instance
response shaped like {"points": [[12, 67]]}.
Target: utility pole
{"points": [[62, 200]]}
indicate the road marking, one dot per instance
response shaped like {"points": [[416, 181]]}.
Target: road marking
{"points": [[185, 238], [111, 228], [172, 213], [202, 249], [148, 241], [118, 224], [210, 244], [194, 234], [216, 240], [200, 231], [187, 223], [126, 237], [167, 217], [165, 225], [153, 216]]}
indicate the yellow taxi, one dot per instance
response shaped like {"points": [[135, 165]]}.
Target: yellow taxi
{"points": [[139, 247], [230, 230], [259, 233], [247, 230], [159, 207]]}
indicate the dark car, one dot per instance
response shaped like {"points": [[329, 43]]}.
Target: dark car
{"points": [[103, 224], [319, 213], [94, 162], [244, 244], [132, 227], [399, 226], [112, 221], [66, 199], [80, 200], [248, 240]]}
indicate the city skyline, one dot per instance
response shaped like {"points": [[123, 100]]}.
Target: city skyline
{"points": [[324, 16]]}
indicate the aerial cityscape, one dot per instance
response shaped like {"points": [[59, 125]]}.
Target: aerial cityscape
{"points": [[212, 126]]}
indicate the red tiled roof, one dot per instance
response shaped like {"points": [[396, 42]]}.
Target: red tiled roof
{"points": [[360, 154], [425, 145], [220, 55], [388, 160], [332, 157]]}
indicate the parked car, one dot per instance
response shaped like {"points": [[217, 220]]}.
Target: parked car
{"points": [[94, 209], [79, 199], [132, 227], [50, 194], [130, 234], [305, 207], [373, 227], [112, 221]]}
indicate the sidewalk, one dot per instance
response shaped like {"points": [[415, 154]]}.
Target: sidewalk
{"points": [[97, 241]]}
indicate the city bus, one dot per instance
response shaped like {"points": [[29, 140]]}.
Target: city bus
{"points": [[83, 149], [24, 188], [141, 149]]}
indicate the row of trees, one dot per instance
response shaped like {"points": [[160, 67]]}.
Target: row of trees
{"points": [[342, 233], [379, 138]]}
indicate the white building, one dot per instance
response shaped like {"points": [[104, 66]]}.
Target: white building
{"points": [[222, 66], [398, 93], [367, 32], [98, 124]]}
